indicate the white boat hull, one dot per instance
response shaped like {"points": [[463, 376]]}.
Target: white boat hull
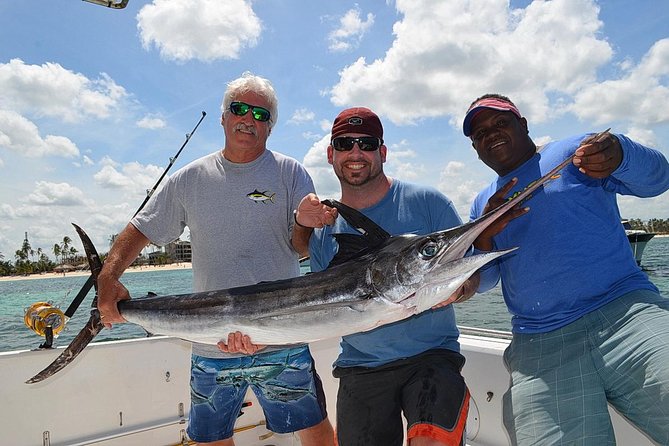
{"points": [[136, 392]]}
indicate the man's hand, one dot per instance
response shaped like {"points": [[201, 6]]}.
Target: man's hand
{"points": [[238, 343], [312, 213], [110, 292], [467, 290], [484, 241], [599, 155]]}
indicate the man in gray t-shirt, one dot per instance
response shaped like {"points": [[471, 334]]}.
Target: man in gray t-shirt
{"points": [[238, 204]]}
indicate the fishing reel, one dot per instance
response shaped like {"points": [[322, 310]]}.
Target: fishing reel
{"points": [[45, 320]]}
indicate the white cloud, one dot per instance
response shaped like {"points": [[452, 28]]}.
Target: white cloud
{"points": [[350, 31], [639, 96], [325, 125], [21, 136], [302, 115], [110, 177], [21, 212], [445, 54], [131, 177], [151, 123], [7, 212], [316, 163], [55, 194], [643, 136], [108, 161], [53, 91], [457, 184], [311, 136], [199, 29], [401, 162]]}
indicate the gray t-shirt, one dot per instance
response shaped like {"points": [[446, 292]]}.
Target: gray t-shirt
{"points": [[240, 218]]}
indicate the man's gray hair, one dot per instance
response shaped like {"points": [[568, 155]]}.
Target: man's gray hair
{"points": [[259, 85]]}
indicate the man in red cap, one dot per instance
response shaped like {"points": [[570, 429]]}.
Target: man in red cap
{"points": [[411, 367], [588, 326]]}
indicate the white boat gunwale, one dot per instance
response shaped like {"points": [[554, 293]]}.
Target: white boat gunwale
{"points": [[136, 391]]}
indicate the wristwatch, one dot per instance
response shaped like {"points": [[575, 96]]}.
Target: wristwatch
{"points": [[297, 222]]}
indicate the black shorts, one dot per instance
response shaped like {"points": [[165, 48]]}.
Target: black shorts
{"points": [[428, 389]]}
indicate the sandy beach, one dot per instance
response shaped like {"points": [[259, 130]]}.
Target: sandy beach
{"points": [[132, 269]]}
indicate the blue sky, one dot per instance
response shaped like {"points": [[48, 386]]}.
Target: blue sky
{"points": [[94, 101]]}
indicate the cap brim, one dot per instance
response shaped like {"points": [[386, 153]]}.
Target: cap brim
{"points": [[471, 114]]}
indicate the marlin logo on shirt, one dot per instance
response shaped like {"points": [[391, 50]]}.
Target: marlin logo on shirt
{"points": [[515, 194], [261, 197]]}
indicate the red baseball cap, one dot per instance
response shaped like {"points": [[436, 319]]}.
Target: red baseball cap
{"points": [[357, 120]]}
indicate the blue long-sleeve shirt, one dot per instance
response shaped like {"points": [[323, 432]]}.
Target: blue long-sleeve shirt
{"points": [[573, 255]]}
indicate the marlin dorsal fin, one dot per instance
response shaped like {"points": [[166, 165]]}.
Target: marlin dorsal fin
{"points": [[351, 245]]}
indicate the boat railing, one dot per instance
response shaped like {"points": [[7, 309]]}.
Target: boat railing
{"points": [[475, 331]]}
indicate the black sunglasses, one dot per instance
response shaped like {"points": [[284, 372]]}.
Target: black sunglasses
{"points": [[241, 108], [365, 143]]}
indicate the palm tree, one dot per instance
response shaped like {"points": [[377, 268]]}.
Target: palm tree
{"points": [[64, 247], [56, 250], [73, 252], [39, 259], [22, 264], [26, 248]]}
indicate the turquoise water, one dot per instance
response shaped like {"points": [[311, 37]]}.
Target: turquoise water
{"points": [[484, 311], [17, 295], [488, 311]]}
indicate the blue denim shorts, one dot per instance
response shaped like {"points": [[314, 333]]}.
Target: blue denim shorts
{"points": [[284, 381]]}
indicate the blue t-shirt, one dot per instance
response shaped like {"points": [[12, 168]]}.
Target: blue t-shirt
{"points": [[406, 208], [573, 255]]}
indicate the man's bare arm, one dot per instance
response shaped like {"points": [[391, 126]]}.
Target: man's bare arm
{"points": [[125, 250]]}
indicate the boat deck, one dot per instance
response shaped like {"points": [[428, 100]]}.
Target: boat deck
{"points": [[135, 392]]}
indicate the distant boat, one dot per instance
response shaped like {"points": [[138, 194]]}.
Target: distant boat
{"points": [[638, 239]]}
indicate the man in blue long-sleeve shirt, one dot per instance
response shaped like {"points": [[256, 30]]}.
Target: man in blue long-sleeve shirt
{"points": [[588, 325]]}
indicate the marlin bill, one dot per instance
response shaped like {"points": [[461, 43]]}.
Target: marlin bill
{"points": [[389, 279]]}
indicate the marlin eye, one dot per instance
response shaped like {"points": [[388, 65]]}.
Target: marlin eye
{"points": [[429, 249]]}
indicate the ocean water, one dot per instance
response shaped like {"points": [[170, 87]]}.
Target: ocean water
{"points": [[485, 310]]}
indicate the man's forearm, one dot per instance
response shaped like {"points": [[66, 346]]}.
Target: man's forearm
{"points": [[127, 246], [300, 239]]}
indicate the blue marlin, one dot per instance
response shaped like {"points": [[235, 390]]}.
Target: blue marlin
{"points": [[391, 279]]}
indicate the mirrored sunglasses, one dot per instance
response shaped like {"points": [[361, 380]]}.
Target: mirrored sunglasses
{"points": [[365, 143], [241, 108]]}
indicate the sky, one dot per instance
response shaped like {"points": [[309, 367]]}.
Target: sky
{"points": [[94, 101]]}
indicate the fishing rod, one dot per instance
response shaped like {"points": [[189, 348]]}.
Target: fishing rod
{"points": [[169, 166], [110, 4], [47, 320]]}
